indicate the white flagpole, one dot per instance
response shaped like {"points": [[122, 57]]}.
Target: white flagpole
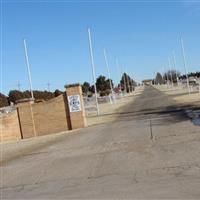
{"points": [[185, 65], [108, 70], [28, 68], [31, 88], [174, 61], [93, 69]]}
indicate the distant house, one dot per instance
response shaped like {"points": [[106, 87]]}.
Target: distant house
{"points": [[147, 82]]}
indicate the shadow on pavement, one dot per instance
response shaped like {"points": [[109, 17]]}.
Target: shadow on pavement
{"points": [[160, 107]]}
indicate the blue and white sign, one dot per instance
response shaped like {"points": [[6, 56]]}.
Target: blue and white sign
{"points": [[74, 103]]}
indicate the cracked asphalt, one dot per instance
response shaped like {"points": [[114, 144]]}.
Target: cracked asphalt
{"points": [[116, 160]]}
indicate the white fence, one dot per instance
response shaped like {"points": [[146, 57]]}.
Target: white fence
{"points": [[7, 109], [90, 102]]}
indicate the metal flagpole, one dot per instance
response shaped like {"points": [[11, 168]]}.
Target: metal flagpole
{"points": [[31, 88], [171, 72], [28, 67], [107, 66], [93, 69], [174, 61], [185, 65]]}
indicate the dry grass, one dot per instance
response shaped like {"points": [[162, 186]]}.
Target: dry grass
{"points": [[180, 94]]}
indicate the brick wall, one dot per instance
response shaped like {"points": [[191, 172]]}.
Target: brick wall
{"points": [[44, 117], [9, 126], [36, 119]]}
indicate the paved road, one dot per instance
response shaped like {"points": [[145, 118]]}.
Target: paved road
{"points": [[114, 160]]}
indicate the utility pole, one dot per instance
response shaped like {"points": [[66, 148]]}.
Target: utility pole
{"points": [[107, 66], [185, 65], [93, 69], [28, 68]]}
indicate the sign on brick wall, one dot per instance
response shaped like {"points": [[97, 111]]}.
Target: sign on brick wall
{"points": [[74, 103]]}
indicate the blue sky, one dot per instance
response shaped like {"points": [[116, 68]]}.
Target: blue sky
{"points": [[141, 35]]}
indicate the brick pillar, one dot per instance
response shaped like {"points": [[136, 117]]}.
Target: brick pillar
{"points": [[76, 107]]}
